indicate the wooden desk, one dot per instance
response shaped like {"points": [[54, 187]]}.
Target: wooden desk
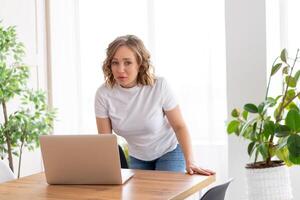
{"points": [[144, 185]]}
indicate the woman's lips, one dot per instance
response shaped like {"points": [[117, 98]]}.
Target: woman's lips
{"points": [[122, 78]]}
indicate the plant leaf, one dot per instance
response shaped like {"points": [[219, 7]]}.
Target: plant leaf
{"points": [[291, 106], [251, 108], [250, 148], [283, 154], [282, 130], [245, 114], [290, 81], [283, 55], [294, 159], [233, 126], [269, 128], [292, 120], [282, 143], [293, 144], [271, 101], [253, 132], [263, 150], [260, 107], [246, 125], [297, 74], [290, 94], [285, 70], [275, 68], [235, 113]]}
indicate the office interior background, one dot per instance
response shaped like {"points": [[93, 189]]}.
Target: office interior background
{"points": [[215, 54]]}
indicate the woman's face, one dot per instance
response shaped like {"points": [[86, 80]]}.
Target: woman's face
{"points": [[124, 67]]}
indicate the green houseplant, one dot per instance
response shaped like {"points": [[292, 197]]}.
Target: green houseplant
{"points": [[272, 126], [21, 127]]}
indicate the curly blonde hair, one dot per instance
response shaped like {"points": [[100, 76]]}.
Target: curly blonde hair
{"points": [[146, 71]]}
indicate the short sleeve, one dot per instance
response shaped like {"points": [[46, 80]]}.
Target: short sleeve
{"points": [[100, 104], [168, 98]]}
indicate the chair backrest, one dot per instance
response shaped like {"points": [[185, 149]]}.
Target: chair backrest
{"points": [[5, 173], [123, 159], [217, 192]]}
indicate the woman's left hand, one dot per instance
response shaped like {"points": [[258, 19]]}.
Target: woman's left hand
{"points": [[192, 168]]}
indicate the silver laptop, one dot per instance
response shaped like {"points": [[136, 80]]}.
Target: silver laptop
{"points": [[82, 159]]}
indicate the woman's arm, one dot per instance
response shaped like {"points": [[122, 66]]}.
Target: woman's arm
{"points": [[103, 125], [176, 121]]}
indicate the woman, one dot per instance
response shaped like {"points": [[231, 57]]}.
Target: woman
{"points": [[141, 107]]}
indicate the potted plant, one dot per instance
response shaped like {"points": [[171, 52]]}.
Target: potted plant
{"points": [[19, 128], [273, 129]]}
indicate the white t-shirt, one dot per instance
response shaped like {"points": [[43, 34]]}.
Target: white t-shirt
{"points": [[137, 114]]}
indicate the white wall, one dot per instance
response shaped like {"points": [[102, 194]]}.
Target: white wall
{"points": [[246, 74], [29, 18]]}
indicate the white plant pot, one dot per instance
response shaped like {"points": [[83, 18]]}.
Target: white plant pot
{"points": [[269, 183]]}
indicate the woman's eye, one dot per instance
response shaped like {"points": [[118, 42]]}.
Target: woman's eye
{"points": [[114, 63], [127, 63]]}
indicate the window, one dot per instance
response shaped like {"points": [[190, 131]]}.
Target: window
{"points": [[190, 52]]}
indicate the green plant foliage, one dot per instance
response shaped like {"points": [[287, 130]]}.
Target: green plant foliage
{"points": [[276, 68], [20, 128], [273, 126], [251, 108], [233, 126]]}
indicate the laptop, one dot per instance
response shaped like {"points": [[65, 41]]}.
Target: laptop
{"points": [[82, 159]]}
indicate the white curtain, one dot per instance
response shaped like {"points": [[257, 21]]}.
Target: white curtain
{"points": [[282, 18], [189, 51]]}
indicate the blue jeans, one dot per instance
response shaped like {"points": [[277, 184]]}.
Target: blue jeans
{"points": [[171, 161]]}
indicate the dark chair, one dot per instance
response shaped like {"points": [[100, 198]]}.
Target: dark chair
{"points": [[217, 192], [123, 160]]}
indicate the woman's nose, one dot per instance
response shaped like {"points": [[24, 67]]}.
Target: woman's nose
{"points": [[121, 68]]}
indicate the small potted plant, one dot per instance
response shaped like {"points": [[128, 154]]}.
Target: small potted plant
{"points": [[273, 129], [19, 128]]}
